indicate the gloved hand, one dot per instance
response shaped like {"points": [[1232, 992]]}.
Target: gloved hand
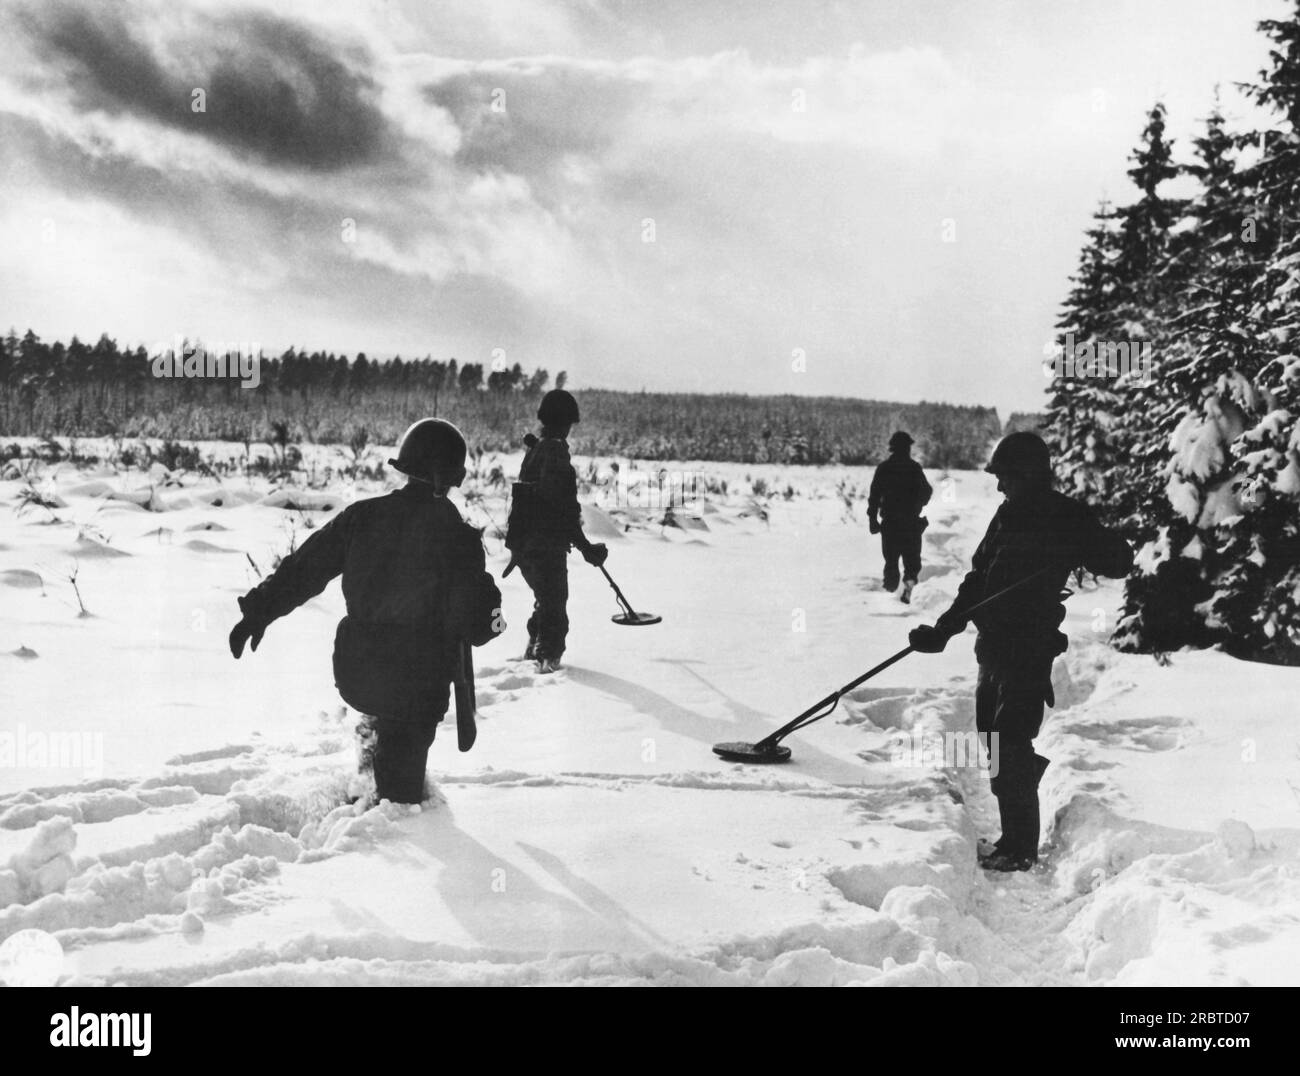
{"points": [[242, 633], [874, 525], [928, 639], [595, 553]]}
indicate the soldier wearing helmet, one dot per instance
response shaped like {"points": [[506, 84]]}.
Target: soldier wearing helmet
{"points": [[899, 490], [1037, 535], [545, 522], [416, 588]]}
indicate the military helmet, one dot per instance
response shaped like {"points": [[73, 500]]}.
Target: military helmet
{"points": [[901, 439], [1021, 453], [558, 408], [432, 446]]}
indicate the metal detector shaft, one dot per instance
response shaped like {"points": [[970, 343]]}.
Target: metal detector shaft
{"points": [[785, 730], [627, 607], [810, 715]]}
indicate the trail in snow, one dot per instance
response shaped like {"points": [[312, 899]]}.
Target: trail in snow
{"points": [[591, 836]]}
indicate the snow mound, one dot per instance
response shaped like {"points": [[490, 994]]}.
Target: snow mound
{"points": [[599, 524], [304, 500], [22, 579]]}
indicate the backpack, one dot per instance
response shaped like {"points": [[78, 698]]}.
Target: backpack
{"points": [[536, 522], [521, 524]]}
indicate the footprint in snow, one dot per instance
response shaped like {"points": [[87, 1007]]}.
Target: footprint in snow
{"points": [[1087, 765], [1139, 733]]}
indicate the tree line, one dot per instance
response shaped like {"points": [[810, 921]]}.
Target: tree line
{"points": [[80, 390]]}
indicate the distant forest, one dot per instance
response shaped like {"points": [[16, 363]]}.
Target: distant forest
{"points": [[97, 390], [1034, 421]]}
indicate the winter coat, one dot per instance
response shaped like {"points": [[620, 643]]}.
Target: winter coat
{"points": [[899, 491], [415, 584], [1047, 530], [545, 516]]}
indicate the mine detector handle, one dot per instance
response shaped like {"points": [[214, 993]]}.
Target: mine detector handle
{"points": [[815, 712], [627, 607], [824, 707]]}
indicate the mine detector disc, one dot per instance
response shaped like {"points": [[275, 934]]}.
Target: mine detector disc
{"points": [[636, 620], [751, 752]]}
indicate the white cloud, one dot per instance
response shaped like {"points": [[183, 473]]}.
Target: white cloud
{"points": [[797, 196]]}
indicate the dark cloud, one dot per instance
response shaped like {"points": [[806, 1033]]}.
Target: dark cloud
{"points": [[549, 111], [215, 215], [274, 89]]}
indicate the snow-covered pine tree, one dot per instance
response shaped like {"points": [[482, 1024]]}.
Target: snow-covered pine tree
{"points": [[1071, 417], [1094, 425], [1175, 454], [1142, 301], [1233, 470], [1256, 600]]}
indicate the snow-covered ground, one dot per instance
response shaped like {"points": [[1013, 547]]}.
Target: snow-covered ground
{"points": [[172, 816]]}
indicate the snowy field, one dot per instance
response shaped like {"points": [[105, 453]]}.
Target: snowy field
{"points": [[173, 816]]}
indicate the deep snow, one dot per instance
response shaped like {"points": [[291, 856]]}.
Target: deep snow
{"points": [[591, 836]]}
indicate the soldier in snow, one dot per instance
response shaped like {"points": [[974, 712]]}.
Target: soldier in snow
{"points": [[416, 590], [1038, 536], [899, 491], [545, 522]]}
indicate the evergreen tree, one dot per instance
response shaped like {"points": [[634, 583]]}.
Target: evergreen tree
{"points": [[1256, 598], [1076, 403], [1194, 315], [1108, 325], [1221, 560], [1141, 299]]}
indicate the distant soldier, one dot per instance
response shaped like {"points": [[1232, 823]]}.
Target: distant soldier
{"points": [[545, 523], [899, 491], [416, 591], [1036, 530]]}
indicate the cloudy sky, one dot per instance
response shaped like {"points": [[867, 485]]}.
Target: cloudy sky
{"points": [[453, 177]]}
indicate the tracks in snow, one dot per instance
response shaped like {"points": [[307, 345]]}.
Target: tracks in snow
{"points": [[204, 846]]}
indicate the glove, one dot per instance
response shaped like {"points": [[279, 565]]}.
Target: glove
{"points": [[595, 553], [242, 633], [928, 639], [874, 525]]}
